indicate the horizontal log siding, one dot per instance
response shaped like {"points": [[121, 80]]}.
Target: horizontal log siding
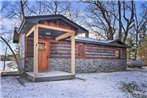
{"points": [[104, 52], [100, 52], [62, 49]]}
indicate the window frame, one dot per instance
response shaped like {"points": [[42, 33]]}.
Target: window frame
{"points": [[84, 51], [120, 53]]}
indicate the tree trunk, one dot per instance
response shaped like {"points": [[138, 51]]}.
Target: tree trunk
{"points": [[125, 37], [5, 59], [135, 56], [109, 34], [119, 13], [136, 42], [22, 9], [11, 51]]}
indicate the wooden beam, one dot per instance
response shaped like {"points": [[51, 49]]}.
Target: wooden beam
{"points": [[35, 51], [54, 28], [31, 30], [73, 53], [63, 36]]}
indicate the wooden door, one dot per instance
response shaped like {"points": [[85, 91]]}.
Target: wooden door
{"points": [[43, 54]]}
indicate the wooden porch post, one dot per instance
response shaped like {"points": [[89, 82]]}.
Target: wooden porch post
{"points": [[36, 51], [73, 53]]}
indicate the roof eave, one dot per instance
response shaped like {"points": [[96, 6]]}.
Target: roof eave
{"points": [[57, 16], [21, 26]]}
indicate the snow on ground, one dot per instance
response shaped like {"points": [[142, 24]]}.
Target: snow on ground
{"points": [[10, 66], [86, 85]]}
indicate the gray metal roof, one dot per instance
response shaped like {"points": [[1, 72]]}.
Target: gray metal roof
{"points": [[30, 21], [114, 43]]}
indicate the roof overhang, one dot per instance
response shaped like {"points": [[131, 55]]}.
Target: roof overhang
{"points": [[30, 21], [112, 43]]}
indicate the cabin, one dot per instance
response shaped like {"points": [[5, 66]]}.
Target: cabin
{"points": [[50, 49]]}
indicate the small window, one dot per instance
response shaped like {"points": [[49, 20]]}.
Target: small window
{"points": [[41, 46], [81, 51], [117, 53]]}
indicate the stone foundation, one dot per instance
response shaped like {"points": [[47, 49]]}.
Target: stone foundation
{"points": [[29, 62], [89, 65], [82, 65]]}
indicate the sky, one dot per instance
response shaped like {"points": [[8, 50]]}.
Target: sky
{"points": [[10, 23]]}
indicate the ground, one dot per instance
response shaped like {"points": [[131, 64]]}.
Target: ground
{"points": [[10, 66], [126, 84]]}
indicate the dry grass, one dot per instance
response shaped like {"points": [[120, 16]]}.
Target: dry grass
{"points": [[134, 89]]}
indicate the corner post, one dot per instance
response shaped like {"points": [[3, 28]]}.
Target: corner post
{"points": [[36, 51], [73, 53]]}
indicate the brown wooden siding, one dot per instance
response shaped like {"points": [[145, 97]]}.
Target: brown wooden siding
{"points": [[96, 51], [57, 23], [62, 49]]}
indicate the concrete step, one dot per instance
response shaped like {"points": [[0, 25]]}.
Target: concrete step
{"points": [[50, 77]]}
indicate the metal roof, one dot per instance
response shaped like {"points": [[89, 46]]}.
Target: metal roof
{"points": [[30, 21], [114, 43]]}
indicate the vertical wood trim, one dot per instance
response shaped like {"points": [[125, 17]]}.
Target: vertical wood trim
{"points": [[63, 36], [25, 56], [121, 54], [36, 52], [73, 53], [84, 51], [32, 29]]}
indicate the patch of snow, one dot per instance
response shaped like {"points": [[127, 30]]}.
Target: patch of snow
{"points": [[91, 39], [87, 85], [10, 66]]}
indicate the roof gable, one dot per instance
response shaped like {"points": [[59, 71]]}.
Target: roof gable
{"points": [[29, 21]]}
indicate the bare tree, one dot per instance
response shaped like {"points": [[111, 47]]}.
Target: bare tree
{"points": [[51, 7], [101, 14], [106, 14], [3, 39], [11, 9], [3, 9], [22, 2], [140, 27], [129, 20], [5, 59], [48, 7], [120, 24]]}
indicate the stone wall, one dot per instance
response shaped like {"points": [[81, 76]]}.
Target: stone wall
{"points": [[82, 65], [89, 65], [29, 64]]}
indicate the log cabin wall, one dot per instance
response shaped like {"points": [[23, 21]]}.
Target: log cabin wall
{"points": [[62, 49], [89, 57]]}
